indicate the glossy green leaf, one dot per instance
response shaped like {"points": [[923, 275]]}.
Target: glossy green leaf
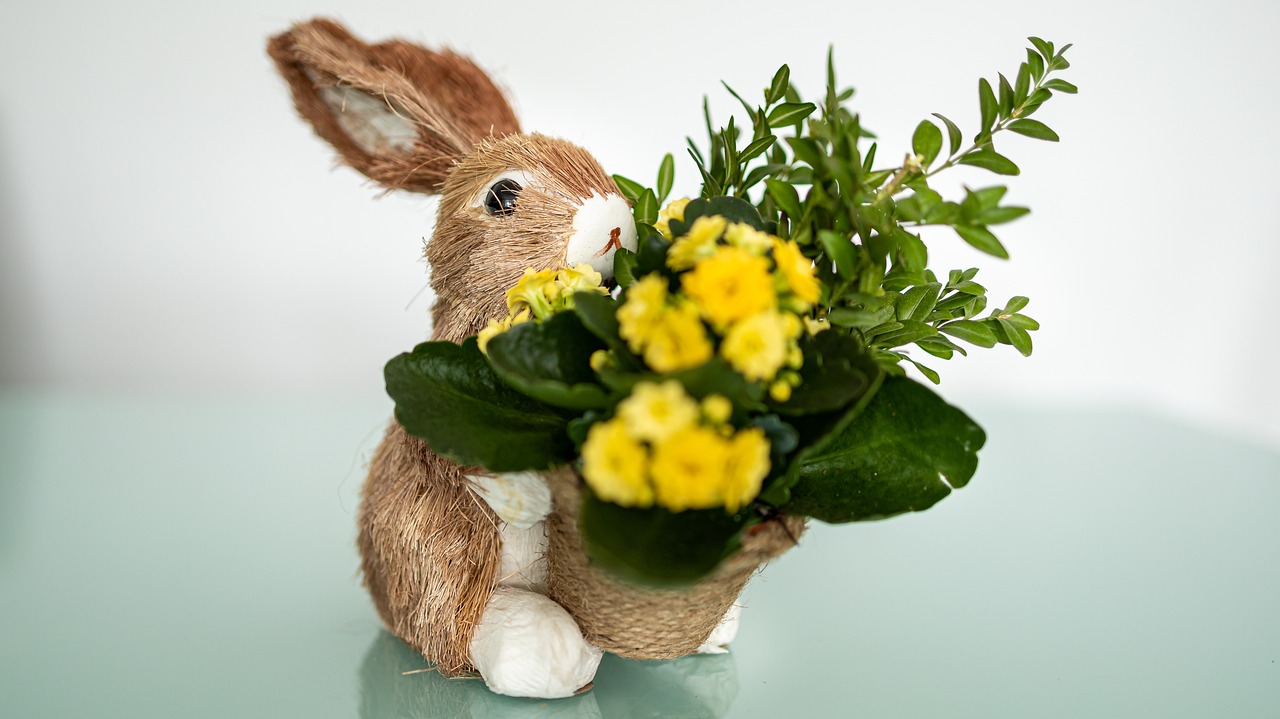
{"points": [[550, 361], [987, 104], [906, 451], [646, 207], [656, 547], [839, 248], [990, 160], [972, 332], [1018, 337], [1033, 128], [836, 372], [756, 148], [954, 136], [778, 86], [982, 238], [448, 395], [927, 141], [1060, 85], [630, 189], [917, 302], [790, 113], [666, 176]]}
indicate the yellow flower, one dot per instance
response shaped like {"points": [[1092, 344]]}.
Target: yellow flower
{"points": [[654, 412], [678, 341], [614, 465], [639, 315], [716, 408], [497, 327], [673, 211], [748, 466], [697, 244], [582, 278], [797, 270], [748, 238], [689, 470], [731, 285], [757, 346], [814, 326], [780, 391], [534, 292]]}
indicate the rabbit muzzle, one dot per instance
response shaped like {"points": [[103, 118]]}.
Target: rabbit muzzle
{"points": [[602, 226]]}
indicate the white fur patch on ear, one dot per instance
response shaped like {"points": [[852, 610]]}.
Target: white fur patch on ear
{"points": [[601, 227], [369, 121]]}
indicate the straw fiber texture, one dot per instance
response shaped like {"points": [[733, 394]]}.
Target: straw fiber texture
{"points": [[641, 622]]}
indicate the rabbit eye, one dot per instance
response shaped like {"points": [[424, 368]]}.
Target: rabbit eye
{"points": [[500, 200]]}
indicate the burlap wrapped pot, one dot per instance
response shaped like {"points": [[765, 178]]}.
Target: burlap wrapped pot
{"points": [[641, 622]]}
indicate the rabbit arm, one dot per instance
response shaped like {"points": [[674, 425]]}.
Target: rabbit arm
{"points": [[520, 499], [430, 550]]}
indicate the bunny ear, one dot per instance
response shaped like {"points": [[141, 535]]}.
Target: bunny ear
{"points": [[397, 112]]}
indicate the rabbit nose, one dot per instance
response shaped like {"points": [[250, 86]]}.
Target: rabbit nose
{"points": [[601, 226]]}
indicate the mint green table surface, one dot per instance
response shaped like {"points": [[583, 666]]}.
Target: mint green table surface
{"points": [[194, 558]]}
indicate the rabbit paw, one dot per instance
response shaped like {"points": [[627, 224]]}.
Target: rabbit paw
{"points": [[528, 646]]}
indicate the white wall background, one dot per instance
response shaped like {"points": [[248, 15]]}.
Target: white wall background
{"points": [[168, 224]]}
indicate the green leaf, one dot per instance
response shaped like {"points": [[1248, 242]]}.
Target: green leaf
{"points": [[911, 331], [654, 546], [929, 374], [646, 207], [666, 176], [1045, 48], [839, 249], [734, 209], [836, 372], [1022, 85], [785, 195], [972, 332], [954, 136], [550, 361], [903, 453], [1033, 128], [987, 103], [790, 113], [624, 267], [990, 160], [1062, 86], [927, 141], [917, 302], [1016, 303], [1000, 215], [756, 148], [1006, 96], [448, 395], [778, 87], [982, 238], [630, 189], [1037, 65], [1018, 336]]}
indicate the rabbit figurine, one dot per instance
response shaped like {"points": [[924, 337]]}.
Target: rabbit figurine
{"points": [[453, 556]]}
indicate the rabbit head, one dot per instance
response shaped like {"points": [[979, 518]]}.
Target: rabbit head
{"points": [[432, 122]]}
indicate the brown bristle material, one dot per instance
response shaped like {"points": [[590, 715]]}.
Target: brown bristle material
{"points": [[451, 101]]}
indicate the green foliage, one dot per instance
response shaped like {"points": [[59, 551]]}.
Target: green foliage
{"points": [[804, 167], [906, 451], [448, 394], [655, 547], [550, 362]]}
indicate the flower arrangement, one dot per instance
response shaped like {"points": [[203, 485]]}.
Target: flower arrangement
{"points": [[749, 362]]}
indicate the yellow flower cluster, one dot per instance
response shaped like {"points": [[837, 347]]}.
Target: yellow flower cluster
{"points": [[750, 287], [540, 294], [663, 447]]}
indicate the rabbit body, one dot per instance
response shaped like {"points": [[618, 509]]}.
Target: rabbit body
{"points": [[453, 556]]}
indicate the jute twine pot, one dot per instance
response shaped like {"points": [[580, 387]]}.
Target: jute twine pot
{"points": [[642, 622]]}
